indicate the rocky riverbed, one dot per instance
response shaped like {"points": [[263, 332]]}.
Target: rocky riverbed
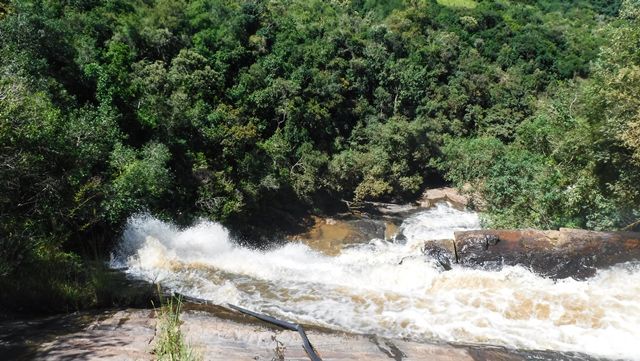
{"points": [[399, 282]]}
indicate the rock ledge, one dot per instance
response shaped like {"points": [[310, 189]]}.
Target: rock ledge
{"points": [[557, 254]]}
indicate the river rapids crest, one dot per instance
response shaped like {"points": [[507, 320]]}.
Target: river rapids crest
{"points": [[391, 290]]}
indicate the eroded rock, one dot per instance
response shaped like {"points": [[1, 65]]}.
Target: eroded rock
{"points": [[557, 254], [442, 251], [431, 197]]}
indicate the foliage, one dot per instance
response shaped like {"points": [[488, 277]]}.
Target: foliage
{"points": [[469, 4], [574, 162], [237, 108], [140, 178]]}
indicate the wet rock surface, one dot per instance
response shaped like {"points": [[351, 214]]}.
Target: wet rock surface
{"points": [[371, 220], [330, 235], [556, 254], [441, 251]]}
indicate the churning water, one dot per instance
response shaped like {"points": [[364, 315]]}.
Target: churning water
{"points": [[389, 289]]}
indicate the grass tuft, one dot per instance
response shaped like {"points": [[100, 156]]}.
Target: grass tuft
{"points": [[170, 344]]}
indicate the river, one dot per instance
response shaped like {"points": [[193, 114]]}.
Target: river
{"points": [[389, 289]]}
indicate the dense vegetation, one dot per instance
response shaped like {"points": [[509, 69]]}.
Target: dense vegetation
{"points": [[229, 109], [575, 161]]}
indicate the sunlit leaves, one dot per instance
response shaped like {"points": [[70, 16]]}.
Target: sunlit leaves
{"points": [[141, 179]]}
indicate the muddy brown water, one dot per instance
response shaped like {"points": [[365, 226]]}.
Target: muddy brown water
{"points": [[387, 287]]}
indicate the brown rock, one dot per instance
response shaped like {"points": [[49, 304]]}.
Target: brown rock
{"points": [[431, 197], [557, 254], [330, 235], [442, 250]]}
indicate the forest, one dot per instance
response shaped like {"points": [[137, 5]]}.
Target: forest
{"points": [[254, 112]]}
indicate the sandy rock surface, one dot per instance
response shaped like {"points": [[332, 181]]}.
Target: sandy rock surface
{"points": [[230, 340], [215, 333], [125, 335]]}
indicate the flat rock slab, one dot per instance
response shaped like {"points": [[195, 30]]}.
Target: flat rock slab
{"points": [[230, 340], [126, 335], [112, 335], [245, 338], [216, 333]]}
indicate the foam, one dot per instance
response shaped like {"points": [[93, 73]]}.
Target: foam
{"points": [[367, 289]]}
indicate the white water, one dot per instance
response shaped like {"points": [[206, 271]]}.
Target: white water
{"points": [[367, 289]]}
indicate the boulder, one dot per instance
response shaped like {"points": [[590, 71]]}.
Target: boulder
{"points": [[442, 251], [431, 197], [557, 254]]}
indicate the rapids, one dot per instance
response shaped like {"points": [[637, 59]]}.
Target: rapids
{"points": [[391, 290]]}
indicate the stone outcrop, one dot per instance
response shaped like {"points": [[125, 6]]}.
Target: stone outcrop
{"points": [[442, 251], [431, 197], [556, 254]]}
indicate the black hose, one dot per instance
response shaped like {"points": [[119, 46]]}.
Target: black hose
{"points": [[308, 348]]}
